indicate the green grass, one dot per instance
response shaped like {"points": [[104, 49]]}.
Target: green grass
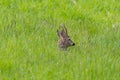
{"points": [[29, 42]]}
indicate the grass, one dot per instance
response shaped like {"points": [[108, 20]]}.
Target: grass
{"points": [[28, 40]]}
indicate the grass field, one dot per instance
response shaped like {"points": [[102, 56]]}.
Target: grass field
{"points": [[29, 42]]}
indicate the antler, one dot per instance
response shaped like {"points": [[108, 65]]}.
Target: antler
{"points": [[64, 28]]}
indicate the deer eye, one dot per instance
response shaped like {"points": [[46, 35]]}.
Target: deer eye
{"points": [[68, 38]]}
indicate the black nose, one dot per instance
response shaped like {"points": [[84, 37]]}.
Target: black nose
{"points": [[73, 44]]}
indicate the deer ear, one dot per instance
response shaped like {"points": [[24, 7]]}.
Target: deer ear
{"points": [[58, 32]]}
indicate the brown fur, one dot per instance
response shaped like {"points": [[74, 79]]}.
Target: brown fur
{"points": [[64, 39]]}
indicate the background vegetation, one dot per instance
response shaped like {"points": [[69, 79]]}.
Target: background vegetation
{"points": [[28, 40]]}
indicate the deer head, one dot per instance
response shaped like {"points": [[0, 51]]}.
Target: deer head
{"points": [[64, 39]]}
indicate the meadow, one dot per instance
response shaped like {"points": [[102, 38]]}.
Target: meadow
{"points": [[29, 42]]}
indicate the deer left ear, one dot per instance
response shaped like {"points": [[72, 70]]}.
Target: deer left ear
{"points": [[58, 32]]}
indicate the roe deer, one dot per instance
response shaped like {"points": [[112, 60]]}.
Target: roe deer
{"points": [[64, 39]]}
